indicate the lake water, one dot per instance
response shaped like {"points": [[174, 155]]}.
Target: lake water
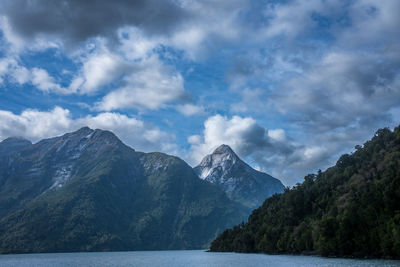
{"points": [[179, 258]]}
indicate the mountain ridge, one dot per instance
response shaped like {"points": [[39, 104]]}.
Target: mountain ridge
{"points": [[87, 191]]}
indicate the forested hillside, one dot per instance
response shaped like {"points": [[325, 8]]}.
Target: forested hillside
{"points": [[351, 209]]}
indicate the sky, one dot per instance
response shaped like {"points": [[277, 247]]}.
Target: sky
{"points": [[289, 85]]}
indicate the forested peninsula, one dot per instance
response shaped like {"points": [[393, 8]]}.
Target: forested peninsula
{"points": [[350, 210]]}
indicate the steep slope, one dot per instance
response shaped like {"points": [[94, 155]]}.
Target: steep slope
{"points": [[351, 209], [241, 183], [87, 191], [12, 145], [48, 164]]}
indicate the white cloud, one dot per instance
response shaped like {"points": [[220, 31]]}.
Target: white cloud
{"points": [[194, 139], [190, 109], [190, 40], [313, 152], [134, 44], [277, 135], [21, 74], [35, 125], [284, 21], [150, 86], [141, 80], [10, 68], [44, 82], [99, 69]]}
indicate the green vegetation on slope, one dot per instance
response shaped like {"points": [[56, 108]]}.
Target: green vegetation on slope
{"points": [[351, 209], [115, 199]]}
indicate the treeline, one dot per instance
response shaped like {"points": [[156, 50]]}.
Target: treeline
{"points": [[351, 209]]}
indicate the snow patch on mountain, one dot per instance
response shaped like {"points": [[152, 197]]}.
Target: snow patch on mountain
{"points": [[61, 177]]}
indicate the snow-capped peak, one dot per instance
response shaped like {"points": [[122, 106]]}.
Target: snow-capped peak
{"points": [[240, 182], [221, 160], [224, 149]]}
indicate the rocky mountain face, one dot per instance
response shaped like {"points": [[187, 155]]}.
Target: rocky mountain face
{"points": [[241, 183], [12, 144], [87, 191]]}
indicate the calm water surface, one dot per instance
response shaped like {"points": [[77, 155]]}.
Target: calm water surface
{"points": [[179, 258]]}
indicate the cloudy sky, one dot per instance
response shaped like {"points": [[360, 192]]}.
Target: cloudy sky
{"points": [[289, 85]]}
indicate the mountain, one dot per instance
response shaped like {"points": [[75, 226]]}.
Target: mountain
{"points": [[241, 183], [351, 209], [13, 144], [87, 191]]}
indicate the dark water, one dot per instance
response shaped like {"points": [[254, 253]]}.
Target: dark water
{"points": [[179, 258]]}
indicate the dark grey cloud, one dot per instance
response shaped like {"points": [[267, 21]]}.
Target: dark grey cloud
{"points": [[76, 20], [342, 89]]}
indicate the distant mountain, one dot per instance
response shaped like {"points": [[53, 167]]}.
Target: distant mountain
{"points": [[240, 182], [87, 191], [13, 144], [351, 209]]}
